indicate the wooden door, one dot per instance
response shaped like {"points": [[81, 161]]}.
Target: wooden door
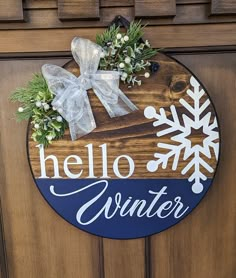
{"points": [[35, 242]]}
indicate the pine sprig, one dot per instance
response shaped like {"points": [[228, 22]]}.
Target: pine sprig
{"points": [[146, 54], [126, 53], [36, 99], [27, 95], [108, 36], [135, 32]]}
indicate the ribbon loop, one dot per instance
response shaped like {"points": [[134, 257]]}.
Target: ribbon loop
{"points": [[71, 99]]}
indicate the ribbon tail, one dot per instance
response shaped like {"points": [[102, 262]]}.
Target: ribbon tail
{"points": [[84, 124], [127, 101], [122, 106]]}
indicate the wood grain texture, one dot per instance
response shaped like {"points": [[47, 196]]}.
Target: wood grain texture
{"points": [[44, 4], [3, 256], [190, 2], [124, 258], [38, 243], [11, 10], [152, 8], [223, 7], [78, 9], [132, 134], [44, 13], [188, 36], [185, 14], [203, 244], [40, 4], [52, 21], [116, 3]]}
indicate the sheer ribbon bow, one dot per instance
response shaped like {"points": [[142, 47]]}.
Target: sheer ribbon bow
{"points": [[71, 99]]}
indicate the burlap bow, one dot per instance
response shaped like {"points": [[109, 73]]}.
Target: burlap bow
{"points": [[70, 92]]}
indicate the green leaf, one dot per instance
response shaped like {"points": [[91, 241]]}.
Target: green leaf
{"points": [[130, 52], [138, 67], [128, 68], [56, 125], [108, 36]]}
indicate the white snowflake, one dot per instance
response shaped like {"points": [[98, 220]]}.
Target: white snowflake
{"points": [[185, 130]]}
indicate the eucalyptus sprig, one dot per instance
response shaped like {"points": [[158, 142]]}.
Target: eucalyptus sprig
{"points": [[126, 53], [36, 104]]}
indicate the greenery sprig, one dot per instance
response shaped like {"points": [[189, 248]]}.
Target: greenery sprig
{"points": [[123, 52], [36, 104], [126, 53]]}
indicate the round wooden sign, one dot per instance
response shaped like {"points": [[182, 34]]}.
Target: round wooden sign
{"points": [[137, 174]]}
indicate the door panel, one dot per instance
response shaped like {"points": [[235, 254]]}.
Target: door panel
{"points": [[38, 242], [41, 244], [124, 258], [203, 244]]}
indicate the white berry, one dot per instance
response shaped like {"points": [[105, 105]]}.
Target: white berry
{"points": [[36, 126], [118, 36], [127, 60], [20, 109], [147, 75], [126, 38], [147, 43], [124, 74], [46, 106], [49, 137], [121, 65], [54, 108], [59, 118], [38, 103]]}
